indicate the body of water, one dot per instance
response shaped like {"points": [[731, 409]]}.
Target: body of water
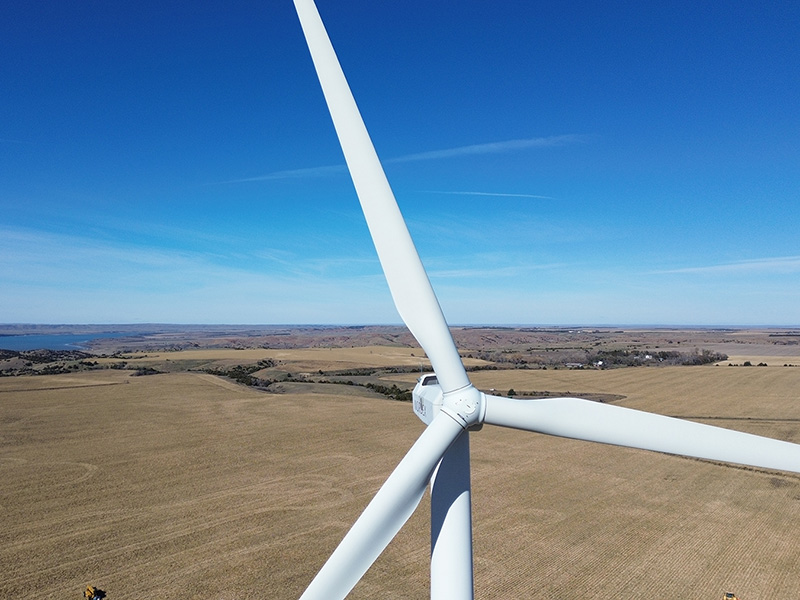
{"points": [[65, 341]]}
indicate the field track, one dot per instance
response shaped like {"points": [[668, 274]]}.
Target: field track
{"points": [[188, 486]]}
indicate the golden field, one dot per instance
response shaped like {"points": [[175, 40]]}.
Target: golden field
{"points": [[308, 359], [186, 485]]}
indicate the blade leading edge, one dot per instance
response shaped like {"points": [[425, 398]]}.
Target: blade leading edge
{"points": [[411, 290], [385, 514], [608, 424]]}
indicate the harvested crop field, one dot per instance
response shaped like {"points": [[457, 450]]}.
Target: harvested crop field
{"points": [[186, 485], [309, 359]]}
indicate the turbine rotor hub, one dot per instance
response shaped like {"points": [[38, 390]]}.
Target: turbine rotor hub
{"points": [[466, 406]]}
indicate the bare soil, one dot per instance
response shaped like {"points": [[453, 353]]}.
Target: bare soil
{"points": [[188, 485]]}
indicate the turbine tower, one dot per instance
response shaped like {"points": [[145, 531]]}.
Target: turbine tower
{"points": [[448, 402]]}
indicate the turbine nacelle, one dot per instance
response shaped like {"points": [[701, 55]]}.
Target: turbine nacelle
{"points": [[427, 398]]}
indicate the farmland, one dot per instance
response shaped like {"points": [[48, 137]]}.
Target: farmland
{"points": [[185, 484]]}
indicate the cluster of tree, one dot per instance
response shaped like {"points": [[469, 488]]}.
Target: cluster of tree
{"points": [[242, 374], [360, 372], [506, 358], [704, 357], [52, 362], [634, 358], [393, 392], [43, 356], [482, 368], [141, 371], [57, 369], [370, 371]]}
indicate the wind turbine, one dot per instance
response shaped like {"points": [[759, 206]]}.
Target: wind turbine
{"points": [[448, 402]]}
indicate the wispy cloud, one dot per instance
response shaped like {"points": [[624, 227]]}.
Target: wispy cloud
{"points": [[517, 270], [493, 148], [294, 174], [492, 194], [774, 265], [52, 259], [51, 277], [38, 257], [470, 150], [13, 141]]}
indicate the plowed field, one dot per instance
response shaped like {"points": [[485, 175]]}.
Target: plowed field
{"points": [[184, 485]]}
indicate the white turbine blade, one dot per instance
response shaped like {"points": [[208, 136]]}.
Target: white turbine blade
{"points": [[385, 514], [608, 424], [411, 290], [451, 525]]}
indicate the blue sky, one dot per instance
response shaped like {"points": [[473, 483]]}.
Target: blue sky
{"points": [[557, 163]]}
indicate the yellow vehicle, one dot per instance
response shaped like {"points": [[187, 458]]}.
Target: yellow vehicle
{"points": [[729, 596]]}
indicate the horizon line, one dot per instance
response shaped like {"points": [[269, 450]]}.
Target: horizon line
{"points": [[22, 325]]}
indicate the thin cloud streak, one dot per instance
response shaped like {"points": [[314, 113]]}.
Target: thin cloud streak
{"points": [[292, 174], [493, 148], [780, 264], [492, 194], [500, 272], [471, 150], [13, 141]]}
